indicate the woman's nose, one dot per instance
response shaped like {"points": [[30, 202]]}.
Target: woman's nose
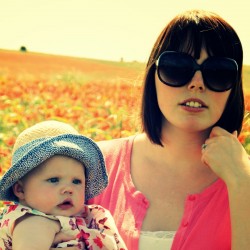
{"points": [[197, 82]]}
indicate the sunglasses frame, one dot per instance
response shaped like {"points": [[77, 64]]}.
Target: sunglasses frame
{"points": [[196, 67]]}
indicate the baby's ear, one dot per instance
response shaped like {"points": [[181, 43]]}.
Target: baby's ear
{"points": [[18, 190]]}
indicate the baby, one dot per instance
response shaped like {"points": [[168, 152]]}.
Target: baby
{"points": [[54, 171]]}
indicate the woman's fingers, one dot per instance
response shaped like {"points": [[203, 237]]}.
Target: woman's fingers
{"points": [[225, 155], [66, 248], [62, 237]]}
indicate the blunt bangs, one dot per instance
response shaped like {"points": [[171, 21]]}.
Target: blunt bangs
{"points": [[190, 32]]}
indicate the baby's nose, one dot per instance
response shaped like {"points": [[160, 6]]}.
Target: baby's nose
{"points": [[67, 190]]}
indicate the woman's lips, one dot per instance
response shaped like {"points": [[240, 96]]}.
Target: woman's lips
{"points": [[192, 109]]}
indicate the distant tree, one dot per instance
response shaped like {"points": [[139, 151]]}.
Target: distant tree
{"points": [[23, 49]]}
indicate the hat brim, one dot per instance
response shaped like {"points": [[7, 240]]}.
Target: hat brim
{"points": [[32, 154]]}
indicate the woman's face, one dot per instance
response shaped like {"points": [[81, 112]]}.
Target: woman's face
{"points": [[192, 107]]}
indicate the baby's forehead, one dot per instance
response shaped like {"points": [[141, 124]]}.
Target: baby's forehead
{"points": [[56, 164], [61, 160]]}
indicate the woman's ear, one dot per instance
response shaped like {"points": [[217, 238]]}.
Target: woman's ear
{"points": [[18, 190]]}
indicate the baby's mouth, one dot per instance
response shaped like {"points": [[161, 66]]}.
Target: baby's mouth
{"points": [[66, 204]]}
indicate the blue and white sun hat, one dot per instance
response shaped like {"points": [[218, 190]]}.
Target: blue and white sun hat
{"points": [[46, 139]]}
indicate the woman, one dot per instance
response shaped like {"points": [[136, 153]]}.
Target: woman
{"points": [[184, 182]]}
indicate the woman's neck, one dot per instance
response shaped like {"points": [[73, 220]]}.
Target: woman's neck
{"points": [[181, 152]]}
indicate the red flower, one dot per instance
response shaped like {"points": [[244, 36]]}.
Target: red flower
{"points": [[83, 236], [98, 242], [80, 221], [102, 221], [11, 208], [11, 141], [5, 223]]}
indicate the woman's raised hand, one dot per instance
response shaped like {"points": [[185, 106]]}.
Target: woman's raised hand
{"points": [[225, 155]]}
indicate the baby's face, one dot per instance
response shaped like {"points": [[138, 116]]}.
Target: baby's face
{"points": [[56, 187]]}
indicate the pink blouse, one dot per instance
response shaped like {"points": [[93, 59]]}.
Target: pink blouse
{"points": [[206, 221]]}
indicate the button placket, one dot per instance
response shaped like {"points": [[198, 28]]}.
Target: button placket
{"points": [[188, 210]]}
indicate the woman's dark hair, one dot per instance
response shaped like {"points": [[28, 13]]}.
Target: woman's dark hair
{"points": [[190, 32]]}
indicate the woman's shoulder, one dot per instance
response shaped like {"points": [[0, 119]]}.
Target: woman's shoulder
{"points": [[116, 146], [117, 153]]}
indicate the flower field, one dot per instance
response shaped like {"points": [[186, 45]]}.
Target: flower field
{"points": [[101, 99]]}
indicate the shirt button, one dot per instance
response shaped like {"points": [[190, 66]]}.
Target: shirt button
{"points": [[145, 201], [185, 223], [192, 198]]}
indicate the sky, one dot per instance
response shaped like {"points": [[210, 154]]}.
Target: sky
{"points": [[105, 29]]}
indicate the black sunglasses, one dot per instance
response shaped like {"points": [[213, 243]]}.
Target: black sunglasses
{"points": [[176, 69]]}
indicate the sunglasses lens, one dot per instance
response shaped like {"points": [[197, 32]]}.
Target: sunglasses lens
{"points": [[220, 74], [175, 69]]}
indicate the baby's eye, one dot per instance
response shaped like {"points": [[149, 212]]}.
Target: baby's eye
{"points": [[53, 179], [77, 181]]}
